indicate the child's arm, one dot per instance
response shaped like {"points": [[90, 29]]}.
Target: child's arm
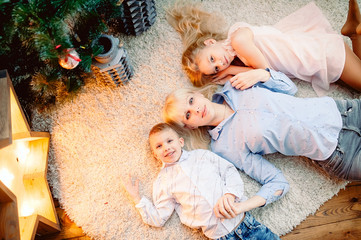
{"points": [[242, 41], [152, 214]]}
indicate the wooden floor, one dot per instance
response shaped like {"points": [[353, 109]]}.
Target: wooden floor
{"points": [[339, 218]]}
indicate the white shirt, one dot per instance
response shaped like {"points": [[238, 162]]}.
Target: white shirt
{"points": [[192, 186]]}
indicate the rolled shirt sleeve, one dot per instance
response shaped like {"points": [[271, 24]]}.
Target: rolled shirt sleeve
{"points": [[279, 82]]}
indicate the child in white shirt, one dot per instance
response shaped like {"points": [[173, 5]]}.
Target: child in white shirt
{"points": [[205, 190]]}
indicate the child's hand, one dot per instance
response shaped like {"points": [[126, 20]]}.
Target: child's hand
{"points": [[247, 79], [224, 206], [132, 188]]}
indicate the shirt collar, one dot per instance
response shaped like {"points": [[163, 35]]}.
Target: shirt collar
{"points": [[219, 97], [222, 95]]}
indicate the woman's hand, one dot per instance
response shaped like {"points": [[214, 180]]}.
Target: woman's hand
{"points": [[222, 77], [247, 79], [249, 204], [224, 206], [132, 188]]}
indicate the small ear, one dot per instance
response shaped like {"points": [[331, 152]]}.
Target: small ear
{"points": [[181, 140], [209, 41]]}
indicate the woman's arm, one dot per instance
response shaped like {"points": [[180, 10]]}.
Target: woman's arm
{"points": [[266, 78], [274, 184], [279, 82], [249, 204]]}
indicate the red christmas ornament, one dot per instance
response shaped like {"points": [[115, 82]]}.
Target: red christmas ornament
{"points": [[70, 59]]}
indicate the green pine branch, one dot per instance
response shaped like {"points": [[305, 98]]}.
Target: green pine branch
{"points": [[41, 31]]}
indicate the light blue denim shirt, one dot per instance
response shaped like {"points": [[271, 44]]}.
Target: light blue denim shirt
{"points": [[267, 118]]}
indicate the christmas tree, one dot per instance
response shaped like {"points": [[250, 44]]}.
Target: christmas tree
{"points": [[49, 44]]}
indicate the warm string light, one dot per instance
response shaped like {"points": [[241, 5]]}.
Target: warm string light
{"points": [[27, 208], [28, 204], [6, 177]]}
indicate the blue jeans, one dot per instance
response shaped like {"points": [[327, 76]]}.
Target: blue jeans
{"points": [[345, 161], [250, 229]]}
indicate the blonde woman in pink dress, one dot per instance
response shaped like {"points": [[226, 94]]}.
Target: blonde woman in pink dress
{"points": [[302, 45]]}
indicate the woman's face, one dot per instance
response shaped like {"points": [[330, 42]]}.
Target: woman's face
{"points": [[213, 58], [197, 111]]}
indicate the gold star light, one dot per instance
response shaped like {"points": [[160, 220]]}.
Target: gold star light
{"points": [[26, 206]]}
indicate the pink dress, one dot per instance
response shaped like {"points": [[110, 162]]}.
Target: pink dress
{"points": [[302, 45]]}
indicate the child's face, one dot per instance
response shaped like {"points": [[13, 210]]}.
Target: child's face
{"points": [[197, 111], [213, 58], [166, 146]]}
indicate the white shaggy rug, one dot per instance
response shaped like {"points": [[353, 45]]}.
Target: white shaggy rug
{"points": [[101, 135]]}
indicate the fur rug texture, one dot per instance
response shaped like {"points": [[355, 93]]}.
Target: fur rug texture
{"points": [[100, 136]]}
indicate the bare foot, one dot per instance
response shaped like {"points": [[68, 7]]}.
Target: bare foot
{"points": [[353, 19]]}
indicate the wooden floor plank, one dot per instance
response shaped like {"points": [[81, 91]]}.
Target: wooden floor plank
{"points": [[345, 206], [345, 230]]}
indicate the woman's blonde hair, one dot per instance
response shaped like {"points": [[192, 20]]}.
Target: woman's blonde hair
{"points": [[195, 26], [173, 115]]}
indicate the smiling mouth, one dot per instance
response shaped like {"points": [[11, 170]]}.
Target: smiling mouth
{"points": [[169, 154]]}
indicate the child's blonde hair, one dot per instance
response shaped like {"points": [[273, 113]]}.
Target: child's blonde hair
{"points": [[195, 26], [160, 127], [180, 131], [172, 114]]}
